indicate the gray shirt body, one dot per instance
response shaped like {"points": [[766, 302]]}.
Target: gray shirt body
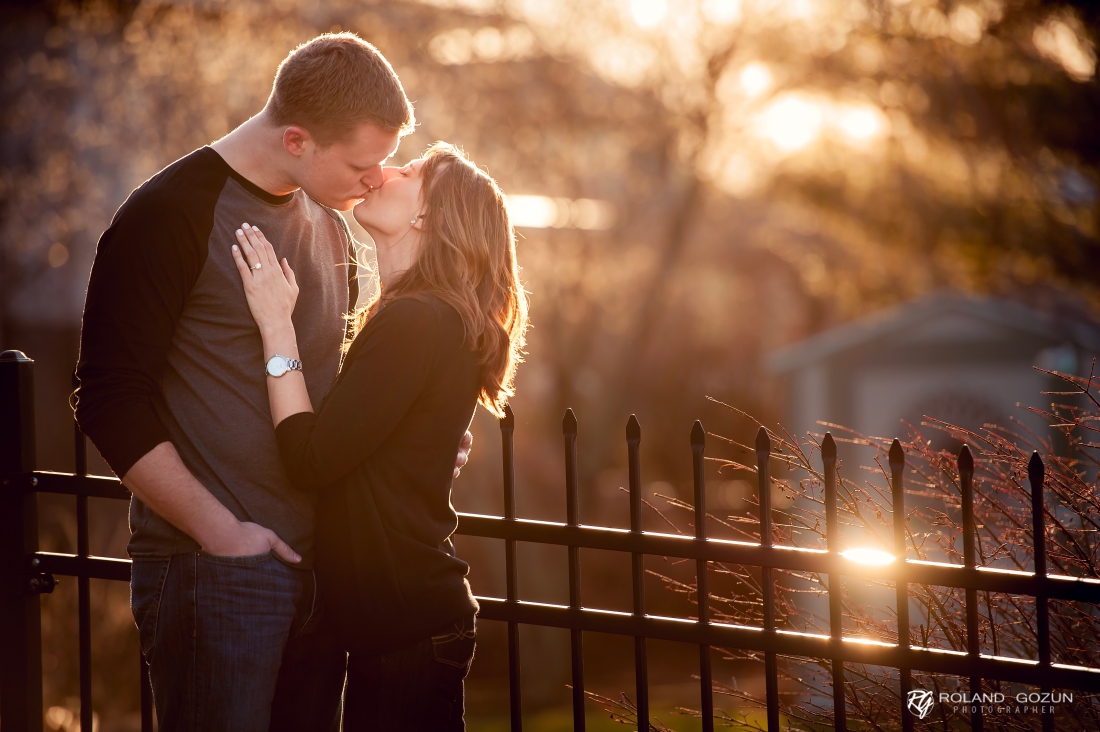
{"points": [[210, 397]]}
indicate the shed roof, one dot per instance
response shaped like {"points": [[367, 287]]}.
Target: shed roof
{"points": [[1004, 313]]}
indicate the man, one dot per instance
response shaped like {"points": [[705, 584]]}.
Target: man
{"points": [[172, 390]]}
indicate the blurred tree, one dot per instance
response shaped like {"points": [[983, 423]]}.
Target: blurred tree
{"points": [[774, 167]]}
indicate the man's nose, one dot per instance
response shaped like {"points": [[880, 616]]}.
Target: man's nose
{"points": [[374, 177]]}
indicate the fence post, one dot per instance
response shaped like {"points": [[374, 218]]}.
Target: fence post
{"points": [[507, 433], [20, 605], [767, 583]]}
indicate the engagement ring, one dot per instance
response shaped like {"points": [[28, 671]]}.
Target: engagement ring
{"points": [[257, 265]]}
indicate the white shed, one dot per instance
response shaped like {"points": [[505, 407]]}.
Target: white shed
{"points": [[965, 359]]}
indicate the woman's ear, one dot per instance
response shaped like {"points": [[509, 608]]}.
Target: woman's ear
{"points": [[418, 222]]}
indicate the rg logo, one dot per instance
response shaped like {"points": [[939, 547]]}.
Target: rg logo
{"points": [[919, 702]]}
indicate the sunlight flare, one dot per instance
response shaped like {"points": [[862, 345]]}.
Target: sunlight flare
{"points": [[868, 556]]}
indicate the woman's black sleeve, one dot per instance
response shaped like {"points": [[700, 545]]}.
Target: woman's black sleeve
{"points": [[384, 374]]}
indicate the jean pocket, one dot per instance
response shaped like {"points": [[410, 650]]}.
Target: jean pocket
{"points": [[245, 560], [455, 647], [147, 578]]}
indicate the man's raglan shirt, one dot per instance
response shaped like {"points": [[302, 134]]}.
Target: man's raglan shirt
{"points": [[169, 351]]}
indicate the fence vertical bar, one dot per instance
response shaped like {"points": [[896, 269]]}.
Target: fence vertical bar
{"points": [[897, 485], [836, 618], [1036, 473], [507, 445], [20, 605], [637, 569], [966, 478], [702, 590], [84, 599], [767, 583], [572, 507]]}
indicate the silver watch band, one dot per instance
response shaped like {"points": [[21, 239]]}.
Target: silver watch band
{"points": [[278, 365]]}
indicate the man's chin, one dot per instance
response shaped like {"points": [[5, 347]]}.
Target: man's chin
{"points": [[344, 205]]}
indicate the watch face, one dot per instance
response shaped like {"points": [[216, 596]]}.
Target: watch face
{"points": [[276, 366]]}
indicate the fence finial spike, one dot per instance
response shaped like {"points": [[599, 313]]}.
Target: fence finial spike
{"points": [[508, 421], [1036, 469], [897, 455], [966, 460], [763, 442], [569, 422], [633, 429], [698, 434], [828, 447]]}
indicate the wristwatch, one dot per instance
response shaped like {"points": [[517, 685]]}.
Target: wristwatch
{"points": [[278, 365]]}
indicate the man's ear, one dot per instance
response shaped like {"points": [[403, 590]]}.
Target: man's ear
{"points": [[295, 140]]}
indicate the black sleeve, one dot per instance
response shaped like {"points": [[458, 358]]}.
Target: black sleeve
{"points": [[383, 376], [145, 266]]}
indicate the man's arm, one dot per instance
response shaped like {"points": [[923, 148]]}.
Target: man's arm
{"points": [[163, 482]]}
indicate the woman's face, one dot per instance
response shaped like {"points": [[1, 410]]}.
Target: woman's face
{"points": [[388, 209]]}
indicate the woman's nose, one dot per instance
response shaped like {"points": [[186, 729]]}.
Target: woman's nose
{"points": [[388, 172]]}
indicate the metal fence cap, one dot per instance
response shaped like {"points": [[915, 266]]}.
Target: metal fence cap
{"points": [[698, 434], [763, 442], [569, 422], [966, 460], [14, 356], [1035, 469], [897, 455], [633, 429]]}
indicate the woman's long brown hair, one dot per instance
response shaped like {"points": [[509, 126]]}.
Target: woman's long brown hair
{"points": [[468, 260]]}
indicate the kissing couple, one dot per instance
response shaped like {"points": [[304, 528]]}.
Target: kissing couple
{"points": [[290, 455]]}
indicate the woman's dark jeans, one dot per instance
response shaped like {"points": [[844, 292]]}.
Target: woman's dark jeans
{"points": [[418, 688]]}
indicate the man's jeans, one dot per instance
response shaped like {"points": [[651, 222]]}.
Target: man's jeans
{"points": [[231, 645]]}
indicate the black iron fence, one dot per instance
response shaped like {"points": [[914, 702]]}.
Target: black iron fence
{"points": [[26, 573]]}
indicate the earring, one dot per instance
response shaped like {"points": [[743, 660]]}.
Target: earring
{"points": [[413, 222]]}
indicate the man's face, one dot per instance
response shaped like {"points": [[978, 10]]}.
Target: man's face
{"points": [[340, 174]]}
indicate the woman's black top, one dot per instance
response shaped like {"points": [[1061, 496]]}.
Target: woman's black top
{"points": [[381, 453]]}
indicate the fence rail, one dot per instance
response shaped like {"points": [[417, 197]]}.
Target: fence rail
{"points": [[26, 573]]}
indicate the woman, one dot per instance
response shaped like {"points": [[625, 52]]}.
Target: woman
{"points": [[444, 336]]}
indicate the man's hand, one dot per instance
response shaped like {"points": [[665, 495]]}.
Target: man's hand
{"points": [[163, 482], [463, 452], [250, 539]]}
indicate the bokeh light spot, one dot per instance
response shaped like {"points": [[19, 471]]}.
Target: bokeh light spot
{"points": [[1058, 42], [861, 123], [648, 13], [57, 255], [792, 122], [722, 12], [755, 79], [543, 212]]}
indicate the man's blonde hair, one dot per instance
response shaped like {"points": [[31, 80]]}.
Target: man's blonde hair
{"points": [[335, 83]]}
